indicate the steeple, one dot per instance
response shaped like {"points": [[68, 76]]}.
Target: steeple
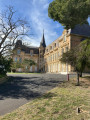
{"points": [[42, 43]]}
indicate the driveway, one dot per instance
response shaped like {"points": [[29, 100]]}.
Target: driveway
{"points": [[21, 88]]}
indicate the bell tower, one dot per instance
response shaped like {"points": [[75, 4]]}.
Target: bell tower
{"points": [[41, 54]]}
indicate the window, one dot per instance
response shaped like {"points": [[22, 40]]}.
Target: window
{"points": [[66, 49], [50, 47], [46, 59], [26, 67], [31, 52], [53, 57], [36, 61], [35, 68], [64, 38], [62, 50], [18, 51], [47, 68], [67, 31], [15, 59], [62, 68], [55, 45], [49, 58], [20, 60], [59, 44], [31, 69], [58, 54]]}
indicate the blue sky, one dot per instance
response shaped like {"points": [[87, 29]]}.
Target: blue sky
{"points": [[36, 12]]}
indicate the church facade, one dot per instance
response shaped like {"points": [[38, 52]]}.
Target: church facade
{"points": [[47, 58]]}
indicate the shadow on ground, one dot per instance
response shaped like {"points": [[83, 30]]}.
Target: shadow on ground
{"points": [[26, 87]]}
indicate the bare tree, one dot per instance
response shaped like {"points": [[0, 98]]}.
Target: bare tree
{"points": [[11, 29]]}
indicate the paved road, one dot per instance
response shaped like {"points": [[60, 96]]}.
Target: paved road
{"points": [[21, 88]]}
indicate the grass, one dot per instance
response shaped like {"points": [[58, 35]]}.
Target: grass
{"points": [[22, 73], [60, 103]]}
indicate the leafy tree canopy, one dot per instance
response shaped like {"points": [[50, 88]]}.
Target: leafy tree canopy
{"points": [[69, 12], [78, 57], [16, 65], [30, 62]]}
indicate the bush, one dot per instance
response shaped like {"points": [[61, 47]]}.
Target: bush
{"points": [[5, 65], [14, 70]]}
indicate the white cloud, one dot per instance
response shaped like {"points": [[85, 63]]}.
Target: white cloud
{"points": [[30, 41], [37, 13], [40, 1], [40, 21]]}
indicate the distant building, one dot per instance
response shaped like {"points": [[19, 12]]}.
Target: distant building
{"points": [[22, 52], [48, 57]]}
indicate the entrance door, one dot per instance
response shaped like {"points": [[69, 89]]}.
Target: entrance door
{"points": [[62, 67], [19, 70], [35, 68]]}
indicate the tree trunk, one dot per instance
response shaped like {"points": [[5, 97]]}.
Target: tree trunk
{"points": [[78, 79], [80, 74]]}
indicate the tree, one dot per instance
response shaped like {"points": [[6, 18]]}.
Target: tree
{"points": [[69, 12], [16, 65], [11, 29], [5, 65], [83, 55], [29, 62], [78, 57]]}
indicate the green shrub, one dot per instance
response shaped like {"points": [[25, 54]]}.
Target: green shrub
{"points": [[5, 65]]}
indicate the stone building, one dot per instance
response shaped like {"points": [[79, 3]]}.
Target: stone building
{"points": [[48, 57], [22, 52]]}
